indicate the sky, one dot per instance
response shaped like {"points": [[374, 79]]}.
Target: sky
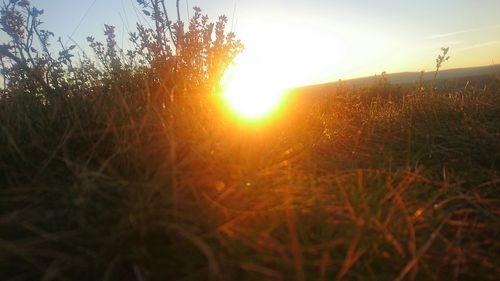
{"points": [[316, 41]]}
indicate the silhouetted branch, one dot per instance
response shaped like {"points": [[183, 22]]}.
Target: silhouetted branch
{"points": [[168, 22], [178, 11], [4, 51]]}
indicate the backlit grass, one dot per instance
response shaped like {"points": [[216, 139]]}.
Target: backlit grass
{"points": [[357, 186]]}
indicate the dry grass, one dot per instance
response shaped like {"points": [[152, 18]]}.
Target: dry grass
{"points": [[363, 185]]}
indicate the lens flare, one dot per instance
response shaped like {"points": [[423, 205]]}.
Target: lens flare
{"points": [[251, 92]]}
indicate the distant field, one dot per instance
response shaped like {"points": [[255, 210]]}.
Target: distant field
{"points": [[483, 74]]}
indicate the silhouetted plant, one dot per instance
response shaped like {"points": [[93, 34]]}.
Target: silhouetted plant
{"points": [[168, 56], [199, 54], [420, 83], [30, 65], [441, 59]]}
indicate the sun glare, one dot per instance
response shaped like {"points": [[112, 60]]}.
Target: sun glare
{"points": [[274, 61], [251, 92]]}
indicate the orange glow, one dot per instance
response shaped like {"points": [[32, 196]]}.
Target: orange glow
{"points": [[276, 59], [251, 91]]}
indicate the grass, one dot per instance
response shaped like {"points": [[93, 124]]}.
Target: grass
{"points": [[377, 183]]}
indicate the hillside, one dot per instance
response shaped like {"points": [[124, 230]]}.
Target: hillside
{"points": [[406, 77]]}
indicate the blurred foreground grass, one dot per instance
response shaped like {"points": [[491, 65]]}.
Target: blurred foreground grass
{"points": [[379, 183]]}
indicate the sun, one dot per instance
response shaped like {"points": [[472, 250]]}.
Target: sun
{"points": [[251, 91], [275, 60]]}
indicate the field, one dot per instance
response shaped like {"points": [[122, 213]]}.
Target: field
{"points": [[131, 167], [378, 183]]}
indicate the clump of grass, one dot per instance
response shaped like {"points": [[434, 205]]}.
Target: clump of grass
{"points": [[130, 171]]}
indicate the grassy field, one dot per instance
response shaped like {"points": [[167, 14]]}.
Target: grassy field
{"points": [[378, 183], [130, 167]]}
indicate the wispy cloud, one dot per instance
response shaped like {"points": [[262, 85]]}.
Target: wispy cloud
{"points": [[451, 43], [434, 36], [443, 35], [480, 45]]}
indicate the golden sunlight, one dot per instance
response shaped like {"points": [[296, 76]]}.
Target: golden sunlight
{"points": [[275, 60], [251, 91]]}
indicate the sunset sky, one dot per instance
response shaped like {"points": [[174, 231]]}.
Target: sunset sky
{"points": [[322, 40]]}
